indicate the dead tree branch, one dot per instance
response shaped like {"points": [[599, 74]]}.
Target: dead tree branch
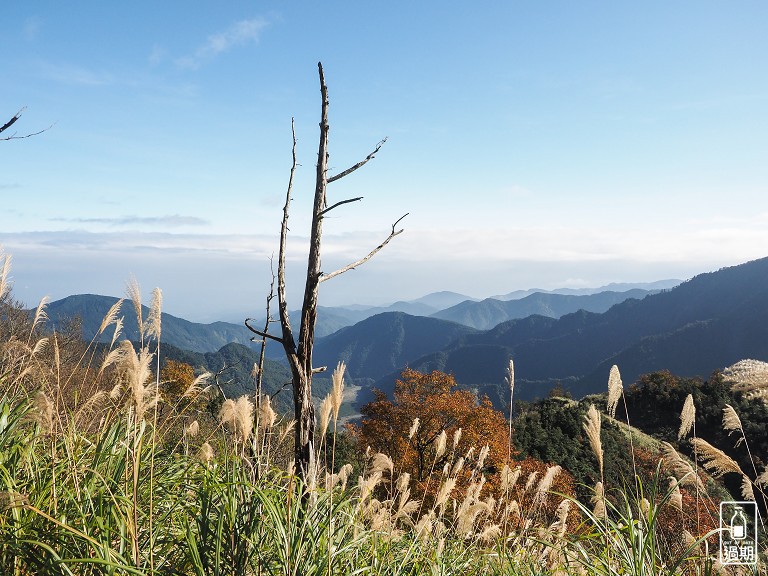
{"points": [[370, 255], [324, 212], [262, 333], [12, 121], [360, 164]]}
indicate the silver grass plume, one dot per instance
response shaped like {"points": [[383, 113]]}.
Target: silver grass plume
{"points": [[117, 332], [645, 506], [137, 372], [559, 526], [445, 492], [490, 533], [197, 386], [414, 428], [5, 269], [545, 484], [111, 316], [206, 453], [134, 295], [599, 511], [687, 417], [193, 429], [592, 430], [39, 346], [115, 356], [403, 481], [337, 394], [43, 412], [750, 376], [40, 313], [267, 415], [676, 497], [615, 389], [343, 475], [732, 422], [683, 471], [482, 456], [456, 437], [442, 439], [510, 377], [715, 460], [326, 407], [509, 477], [382, 462], [237, 415], [154, 320], [746, 488]]}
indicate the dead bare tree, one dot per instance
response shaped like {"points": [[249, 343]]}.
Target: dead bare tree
{"points": [[300, 354]]}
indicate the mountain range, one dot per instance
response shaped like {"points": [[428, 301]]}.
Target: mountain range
{"points": [[571, 340]]}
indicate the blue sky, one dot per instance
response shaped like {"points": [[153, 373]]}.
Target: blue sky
{"points": [[534, 144]]}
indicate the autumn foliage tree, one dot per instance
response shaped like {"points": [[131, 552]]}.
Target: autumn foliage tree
{"points": [[176, 377], [465, 422]]}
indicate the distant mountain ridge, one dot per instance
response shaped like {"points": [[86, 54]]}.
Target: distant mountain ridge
{"points": [[704, 324], [91, 309], [490, 312], [382, 343], [612, 287]]}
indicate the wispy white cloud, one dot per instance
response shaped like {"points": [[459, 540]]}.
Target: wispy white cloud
{"points": [[157, 55], [168, 221], [32, 28], [240, 33], [77, 75], [203, 271]]}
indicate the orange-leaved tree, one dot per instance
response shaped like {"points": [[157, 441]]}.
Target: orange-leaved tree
{"points": [[177, 377], [452, 424]]}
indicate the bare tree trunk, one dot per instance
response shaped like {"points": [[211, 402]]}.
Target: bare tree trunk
{"points": [[300, 357]]}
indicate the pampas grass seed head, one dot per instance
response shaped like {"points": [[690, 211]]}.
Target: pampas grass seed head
{"points": [[414, 429], [237, 415], [676, 497], [267, 415], [615, 389], [683, 471], [154, 320], [337, 394], [111, 316], [43, 412], [445, 492], [326, 407], [732, 422], [482, 456], [599, 511], [382, 462], [206, 453], [715, 460], [592, 430], [456, 437], [687, 417], [441, 443], [750, 376]]}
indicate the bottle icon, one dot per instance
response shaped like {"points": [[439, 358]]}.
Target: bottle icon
{"points": [[738, 525]]}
